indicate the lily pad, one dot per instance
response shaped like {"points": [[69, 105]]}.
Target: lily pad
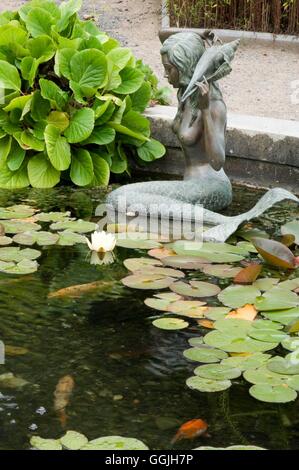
{"points": [[233, 326], [161, 253], [291, 284], [205, 355], [237, 344], [17, 255], [223, 271], [16, 212], [5, 241], [208, 385], [284, 366], [268, 335], [170, 324], [137, 244], [266, 324], [216, 313], [40, 238], [283, 316], [171, 296], [68, 238], [254, 361], [115, 443], [265, 284], [45, 444], [195, 289], [157, 304], [213, 252], [77, 226], [273, 394], [190, 263], [135, 264], [291, 343], [218, 372], [73, 440], [22, 268], [53, 216], [160, 271], [197, 342], [147, 281], [13, 226], [276, 299], [187, 306], [263, 375], [238, 296]]}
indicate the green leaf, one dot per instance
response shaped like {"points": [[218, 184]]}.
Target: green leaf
{"points": [[13, 179], [21, 102], [59, 120], [170, 324], [141, 98], [238, 296], [67, 9], [276, 299], [5, 146], [39, 22], [101, 136], [73, 440], [29, 68], [16, 156], [79, 226], [82, 168], [41, 48], [58, 149], [205, 354], [120, 56], [101, 171], [217, 372], [208, 385], [124, 130], [195, 289], [40, 107], [53, 93], [132, 80], [115, 443], [62, 62], [11, 34], [41, 172], [9, 76], [31, 142], [151, 151], [81, 126], [45, 444], [89, 69], [270, 394]]}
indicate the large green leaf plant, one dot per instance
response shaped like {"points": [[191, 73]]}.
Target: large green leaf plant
{"points": [[71, 100]]}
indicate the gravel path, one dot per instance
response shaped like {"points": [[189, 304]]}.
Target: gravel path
{"points": [[261, 81]]}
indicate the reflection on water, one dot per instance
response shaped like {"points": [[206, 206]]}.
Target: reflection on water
{"points": [[129, 377]]}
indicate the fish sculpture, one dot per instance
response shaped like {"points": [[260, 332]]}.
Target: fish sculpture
{"points": [[213, 65]]}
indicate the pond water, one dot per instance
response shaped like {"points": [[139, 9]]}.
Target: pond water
{"points": [[129, 376]]}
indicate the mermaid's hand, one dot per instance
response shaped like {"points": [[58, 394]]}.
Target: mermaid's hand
{"points": [[204, 95]]}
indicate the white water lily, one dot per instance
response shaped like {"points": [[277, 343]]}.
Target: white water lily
{"points": [[101, 242], [100, 259]]}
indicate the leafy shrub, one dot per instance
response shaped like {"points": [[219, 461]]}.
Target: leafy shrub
{"points": [[72, 100]]}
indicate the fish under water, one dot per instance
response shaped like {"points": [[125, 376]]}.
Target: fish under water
{"points": [[81, 289], [191, 430], [62, 394]]}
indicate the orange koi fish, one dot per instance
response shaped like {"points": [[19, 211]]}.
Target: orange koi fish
{"points": [[62, 395], [191, 430]]}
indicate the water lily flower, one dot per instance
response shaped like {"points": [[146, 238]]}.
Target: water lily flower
{"points": [[101, 242], [100, 259]]}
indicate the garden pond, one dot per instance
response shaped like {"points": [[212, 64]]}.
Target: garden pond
{"points": [[128, 378]]}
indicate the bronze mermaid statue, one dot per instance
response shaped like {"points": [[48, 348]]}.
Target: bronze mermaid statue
{"points": [[200, 125]]}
